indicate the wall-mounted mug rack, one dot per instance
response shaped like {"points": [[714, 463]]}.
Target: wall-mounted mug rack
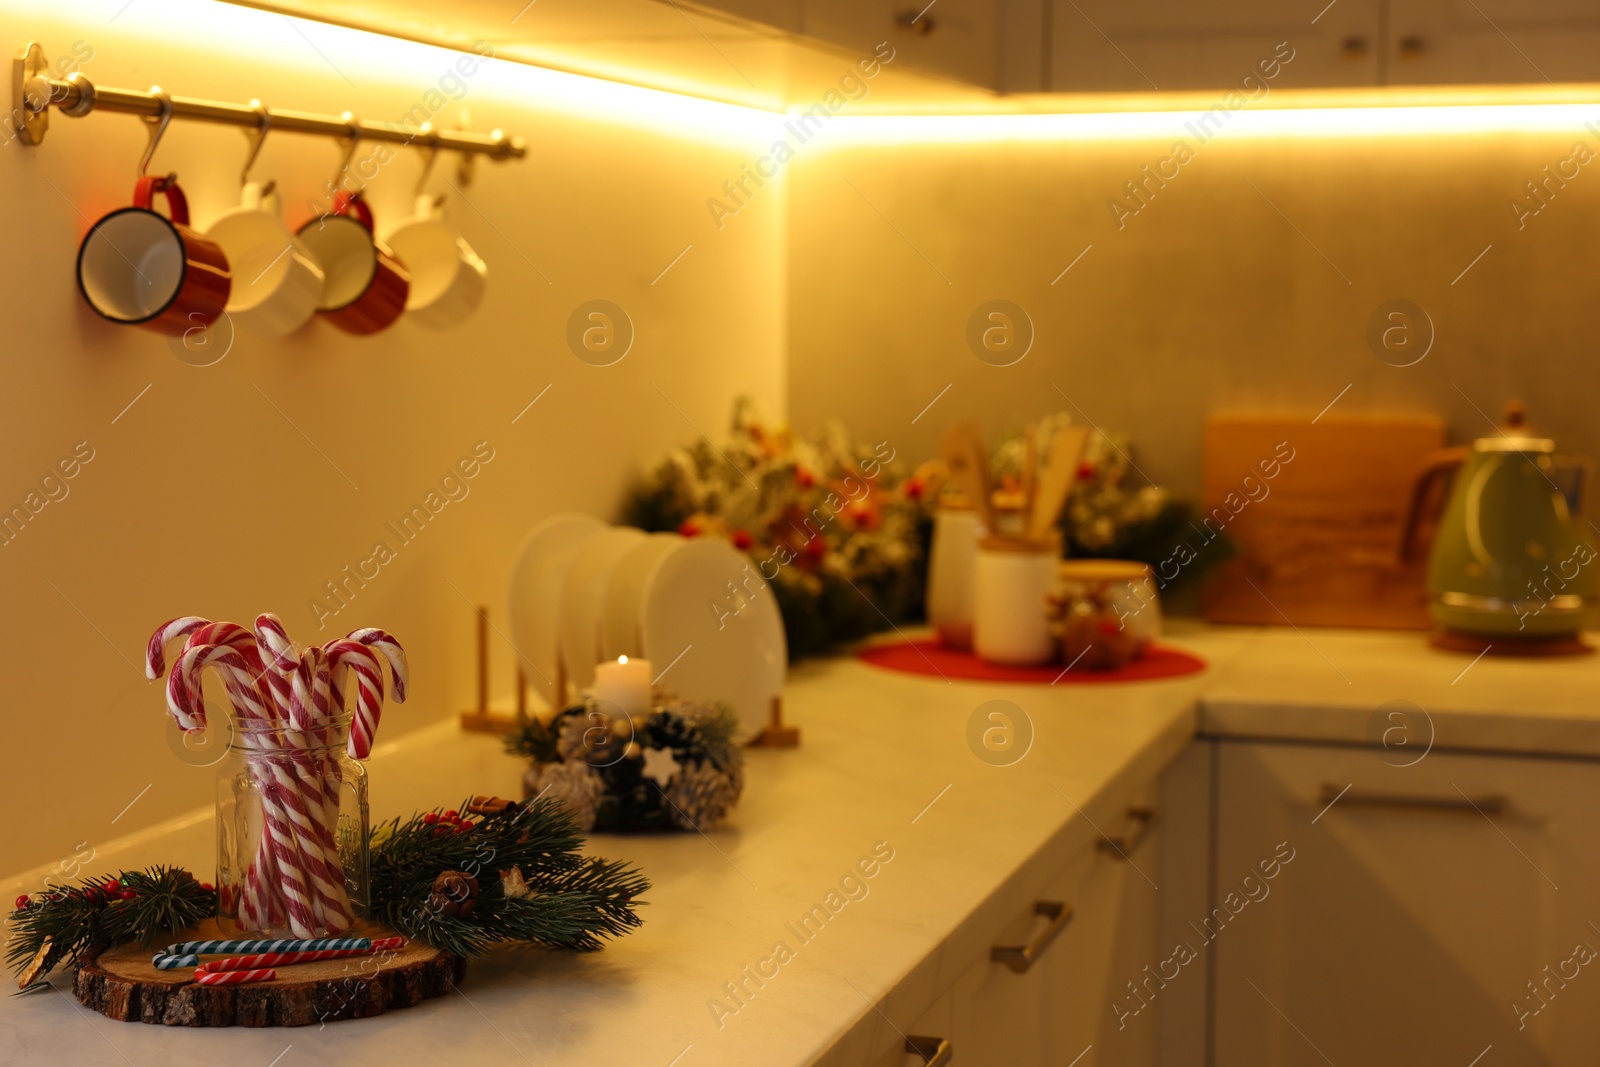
{"points": [[34, 91]]}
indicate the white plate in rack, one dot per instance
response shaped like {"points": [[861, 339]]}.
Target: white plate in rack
{"points": [[619, 633], [583, 601], [538, 578], [712, 631]]}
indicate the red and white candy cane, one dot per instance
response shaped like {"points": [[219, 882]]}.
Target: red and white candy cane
{"points": [[307, 731], [266, 974], [350, 659], [159, 647], [391, 650], [276, 647], [286, 810]]}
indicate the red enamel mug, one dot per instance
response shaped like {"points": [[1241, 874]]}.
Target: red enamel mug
{"points": [[138, 267], [366, 284]]}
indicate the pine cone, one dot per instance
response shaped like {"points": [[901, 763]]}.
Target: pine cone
{"points": [[454, 893], [576, 785], [702, 795]]}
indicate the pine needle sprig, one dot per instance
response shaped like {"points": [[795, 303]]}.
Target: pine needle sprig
{"points": [[572, 902], [111, 910]]}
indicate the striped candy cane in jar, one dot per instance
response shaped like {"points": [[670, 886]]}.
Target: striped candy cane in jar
{"points": [[283, 806]]}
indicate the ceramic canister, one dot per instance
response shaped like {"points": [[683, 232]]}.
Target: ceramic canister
{"points": [[952, 574], [1011, 622]]}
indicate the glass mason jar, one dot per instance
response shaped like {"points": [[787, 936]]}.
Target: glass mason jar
{"points": [[291, 831]]}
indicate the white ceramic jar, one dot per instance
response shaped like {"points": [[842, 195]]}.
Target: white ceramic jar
{"points": [[952, 575], [1011, 621]]}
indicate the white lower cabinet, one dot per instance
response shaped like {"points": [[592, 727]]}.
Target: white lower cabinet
{"points": [[1057, 1009], [1365, 912]]}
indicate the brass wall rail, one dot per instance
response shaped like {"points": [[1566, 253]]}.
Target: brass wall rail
{"points": [[35, 92]]}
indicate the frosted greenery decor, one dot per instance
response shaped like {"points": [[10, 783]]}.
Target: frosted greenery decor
{"points": [[838, 529]]}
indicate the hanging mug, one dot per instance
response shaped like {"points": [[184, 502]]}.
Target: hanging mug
{"points": [[364, 286], [447, 277], [277, 284], [138, 267]]}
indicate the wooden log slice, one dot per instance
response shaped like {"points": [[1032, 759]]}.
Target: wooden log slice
{"points": [[121, 983]]}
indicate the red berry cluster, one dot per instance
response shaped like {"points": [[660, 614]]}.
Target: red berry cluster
{"points": [[450, 822], [112, 890]]}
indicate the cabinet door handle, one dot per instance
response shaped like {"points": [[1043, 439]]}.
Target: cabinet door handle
{"points": [[917, 22], [935, 1051], [1488, 804], [1125, 844], [1020, 957]]}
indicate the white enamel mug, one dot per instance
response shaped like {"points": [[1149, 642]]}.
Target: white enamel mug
{"points": [[447, 277], [1011, 621], [277, 282]]}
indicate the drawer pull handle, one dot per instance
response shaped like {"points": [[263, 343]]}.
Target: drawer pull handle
{"points": [[1125, 844], [1489, 804], [1020, 957], [935, 1051]]}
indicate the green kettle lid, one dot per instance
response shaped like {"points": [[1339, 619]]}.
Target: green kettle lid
{"points": [[1514, 435]]}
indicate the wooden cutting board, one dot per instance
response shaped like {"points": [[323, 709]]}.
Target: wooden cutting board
{"points": [[1317, 541]]}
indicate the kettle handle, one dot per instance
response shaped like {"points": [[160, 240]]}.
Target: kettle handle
{"points": [[1428, 499]]}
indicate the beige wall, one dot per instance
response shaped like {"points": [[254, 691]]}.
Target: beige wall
{"points": [[244, 486], [1208, 298]]}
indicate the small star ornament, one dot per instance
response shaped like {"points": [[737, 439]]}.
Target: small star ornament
{"points": [[660, 765]]}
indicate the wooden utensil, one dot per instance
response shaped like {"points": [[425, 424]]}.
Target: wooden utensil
{"points": [[1055, 480], [1316, 540], [964, 453]]}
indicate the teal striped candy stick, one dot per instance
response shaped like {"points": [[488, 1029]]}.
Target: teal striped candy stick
{"points": [[188, 953]]}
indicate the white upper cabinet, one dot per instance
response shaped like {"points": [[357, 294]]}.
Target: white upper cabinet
{"points": [[1108, 45], [1461, 42], [954, 38], [1116, 46]]}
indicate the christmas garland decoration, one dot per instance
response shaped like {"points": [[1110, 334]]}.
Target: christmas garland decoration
{"points": [[677, 768], [460, 884]]}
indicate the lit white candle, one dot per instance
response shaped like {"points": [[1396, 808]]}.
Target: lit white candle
{"points": [[625, 683]]}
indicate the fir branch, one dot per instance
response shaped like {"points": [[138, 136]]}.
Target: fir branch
{"points": [[575, 901], [94, 914]]}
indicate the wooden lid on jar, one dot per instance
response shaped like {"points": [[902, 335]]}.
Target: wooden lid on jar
{"points": [[1030, 545], [1104, 570]]}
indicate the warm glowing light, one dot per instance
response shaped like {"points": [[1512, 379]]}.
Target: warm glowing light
{"points": [[1202, 123], [202, 46], [212, 44], [622, 659]]}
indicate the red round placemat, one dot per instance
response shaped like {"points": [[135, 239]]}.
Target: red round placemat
{"points": [[931, 658]]}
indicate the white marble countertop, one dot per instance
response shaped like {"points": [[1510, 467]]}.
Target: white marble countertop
{"points": [[1342, 685], [885, 758]]}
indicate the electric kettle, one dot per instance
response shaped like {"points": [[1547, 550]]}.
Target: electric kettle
{"points": [[1510, 557]]}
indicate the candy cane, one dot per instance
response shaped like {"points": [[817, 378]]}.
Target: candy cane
{"points": [[235, 977], [275, 643], [281, 959], [285, 808], [233, 946], [392, 652], [347, 657], [307, 731], [160, 643], [282, 673]]}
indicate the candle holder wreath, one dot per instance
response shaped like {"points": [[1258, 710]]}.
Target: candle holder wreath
{"points": [[676, 767]]}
